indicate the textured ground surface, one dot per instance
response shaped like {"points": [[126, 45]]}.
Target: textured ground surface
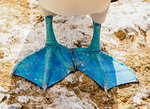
{"points": [[125, 36]]}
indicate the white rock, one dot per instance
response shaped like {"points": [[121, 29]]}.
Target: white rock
{"points": [[36, 98], [70, 102], [7, 95], [142, 93], [105, 99], [3, 105], [2, 90], [128, 17], [81, 77], [14, 106], [16, 90], [70, 78], [23, 99]]}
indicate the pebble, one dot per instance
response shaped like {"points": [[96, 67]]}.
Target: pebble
{"points": [[23, 99], [36, 98], [16, 90], [2, 90], [15, 106], [3, 105]]}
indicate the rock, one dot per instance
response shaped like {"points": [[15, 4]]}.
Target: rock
{"points": [[15, 106], [2, 97], [2, 90], [36, 98], [138, 98], [7, 96], [3, 106], [81, 77], [23, 99], [16, 90]]}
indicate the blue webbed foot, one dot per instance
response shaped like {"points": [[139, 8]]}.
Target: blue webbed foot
{"points": [[49, 65], [54, 62], [102, 68]]}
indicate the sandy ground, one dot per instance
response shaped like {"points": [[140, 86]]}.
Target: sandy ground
{"points": [[125, 36]]}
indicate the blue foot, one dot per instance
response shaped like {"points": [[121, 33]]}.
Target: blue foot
{"points": [[102, 68], [47, 66]]}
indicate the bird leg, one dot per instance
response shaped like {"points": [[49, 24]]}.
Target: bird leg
{"points": [[102, 68]]}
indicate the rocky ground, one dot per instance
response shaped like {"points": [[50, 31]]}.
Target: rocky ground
{"points": [[125, 36]]}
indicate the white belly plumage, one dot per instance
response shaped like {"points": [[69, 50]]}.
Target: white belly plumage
{"points": [[75, 7]]}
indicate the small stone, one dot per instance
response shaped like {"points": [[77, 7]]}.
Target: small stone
{"points": [[16, 90], [105, 99], [7, 96], [23, 99], [3, 105], [2, 90], [36, 98], [15, 106]]}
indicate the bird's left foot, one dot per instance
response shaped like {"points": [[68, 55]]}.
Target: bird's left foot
{"points": [[102, 68]]}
